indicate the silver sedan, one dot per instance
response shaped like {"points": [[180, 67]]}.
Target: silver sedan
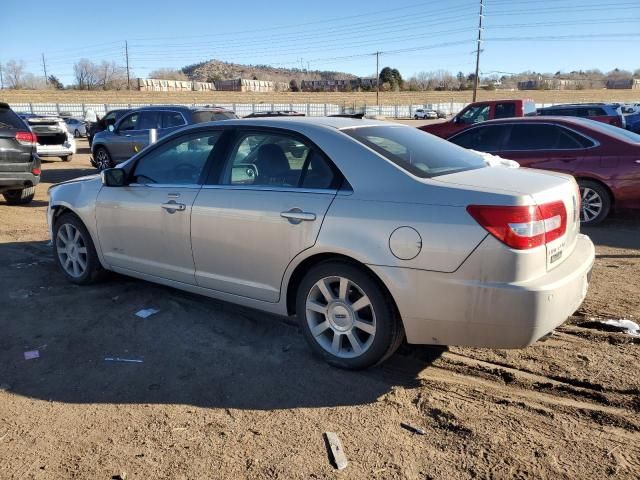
{"points": [[368, 232]]}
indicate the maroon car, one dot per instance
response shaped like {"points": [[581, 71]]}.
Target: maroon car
{"points": [[604, 159]]}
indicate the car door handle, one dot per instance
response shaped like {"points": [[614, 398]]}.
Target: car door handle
{"points": [[173, 206], [295, 216]]}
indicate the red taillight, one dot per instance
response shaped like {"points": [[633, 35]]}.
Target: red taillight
{"points": [[26, 138], [36, 171], [522, 227]]}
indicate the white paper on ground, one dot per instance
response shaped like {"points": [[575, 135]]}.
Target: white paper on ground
{"points": [[31, 354], [631, 327], [146, 312]]}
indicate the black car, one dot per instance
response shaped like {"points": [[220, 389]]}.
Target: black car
{"points": [[19, 162]]}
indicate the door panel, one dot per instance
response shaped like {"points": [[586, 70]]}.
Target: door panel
{"points": [[241, 242], [138, 231]]}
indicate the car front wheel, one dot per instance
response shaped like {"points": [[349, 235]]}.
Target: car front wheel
{"points": [[74, 251], [595, 202], [103, 159], [346, 316]]}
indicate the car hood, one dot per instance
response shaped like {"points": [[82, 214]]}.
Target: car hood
{"points": [[86, 178]]}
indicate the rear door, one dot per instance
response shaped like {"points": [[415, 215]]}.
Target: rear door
{"points": [[263, 207]]}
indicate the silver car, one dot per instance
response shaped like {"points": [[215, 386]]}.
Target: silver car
{"points": [[76, 127], [368, 231]]}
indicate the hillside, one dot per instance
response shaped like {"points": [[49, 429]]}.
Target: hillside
{"points": [[218, 70]]}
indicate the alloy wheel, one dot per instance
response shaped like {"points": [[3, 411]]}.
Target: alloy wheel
{"points": [[71, 250], [341, 317], [102, 159], [591, 204]]}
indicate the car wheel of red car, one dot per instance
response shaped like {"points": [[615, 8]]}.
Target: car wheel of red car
{"points": [[595, 202]]}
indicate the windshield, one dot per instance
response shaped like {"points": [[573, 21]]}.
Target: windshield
{"points": [[415, 151]]}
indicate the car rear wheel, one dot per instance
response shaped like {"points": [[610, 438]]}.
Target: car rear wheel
{"points": [[346, 317], [74, 251], [67, 158], [595, 202], [19, 197], [103, 159], [76, 134]]}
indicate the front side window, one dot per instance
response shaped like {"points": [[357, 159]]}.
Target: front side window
{"points": [[129, 123], [479, 113], [415, 151], [178, 162], [484, 139], [276, 160]]}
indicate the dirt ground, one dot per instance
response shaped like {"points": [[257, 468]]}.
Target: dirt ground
{"points": [[226, 392]]}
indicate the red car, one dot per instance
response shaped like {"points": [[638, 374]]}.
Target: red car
{"points": [[481, 112], [604, 159]]}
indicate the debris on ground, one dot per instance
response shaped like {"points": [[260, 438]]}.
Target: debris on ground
{"points": [[628, 326], [413, 429], [334, 445], [146, 312], [119, 359], [31, 354]]}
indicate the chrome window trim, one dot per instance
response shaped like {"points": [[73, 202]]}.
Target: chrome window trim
{"points": [[591, 139], [191, 186], [267, 188]]}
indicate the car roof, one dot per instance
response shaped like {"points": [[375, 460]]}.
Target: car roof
{"points": [[573, 105], [295, 122], [578, 121]]}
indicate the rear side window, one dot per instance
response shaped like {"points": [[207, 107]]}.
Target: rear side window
{"points": [[415, 151], [149, 120], [172, 119], [484, 139], [10, 121], [211, 116], [592, 112], [505, 110], [545, 137]]}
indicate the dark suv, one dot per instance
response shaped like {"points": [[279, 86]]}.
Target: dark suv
{"points": [[610, 113], [130, 134], [19, 162]]}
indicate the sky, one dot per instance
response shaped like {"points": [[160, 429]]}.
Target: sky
{"points": [[413, 36]]}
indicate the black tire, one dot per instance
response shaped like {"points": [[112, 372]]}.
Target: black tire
{"points": [[20, 197], [94, 271], [102, 158], [593, 193], [76, 133], [388, 326], [67, 158]]}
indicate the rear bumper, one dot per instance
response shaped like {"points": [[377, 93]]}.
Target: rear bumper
{"points": [[68, 148], [19, 175], [443, 309]]}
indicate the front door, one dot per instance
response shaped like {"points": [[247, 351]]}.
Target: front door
{"points": [[145, 226], [266, 207]]}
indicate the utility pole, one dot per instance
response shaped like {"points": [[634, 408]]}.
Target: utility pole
{"points": [[126, 54], [378, 78], [475, 79], [44, 67], [1, 78]]}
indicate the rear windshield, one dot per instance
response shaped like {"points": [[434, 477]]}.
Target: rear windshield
{"points": [[209, 116], [415, 151], [9, 120], [613, 131]]}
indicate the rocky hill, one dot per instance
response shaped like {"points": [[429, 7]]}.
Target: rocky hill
{"points": [[213, 70]]}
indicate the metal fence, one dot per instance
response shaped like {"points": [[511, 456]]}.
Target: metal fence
{"points": [[243, 109]]}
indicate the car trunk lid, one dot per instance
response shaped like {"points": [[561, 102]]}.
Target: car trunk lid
{"points": [[530, 187]]}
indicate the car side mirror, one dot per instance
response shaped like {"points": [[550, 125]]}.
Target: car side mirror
{"points": [[455, 119], [113, 177]]}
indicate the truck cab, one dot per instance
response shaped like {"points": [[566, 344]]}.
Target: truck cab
{"points": [[481, 112]]}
